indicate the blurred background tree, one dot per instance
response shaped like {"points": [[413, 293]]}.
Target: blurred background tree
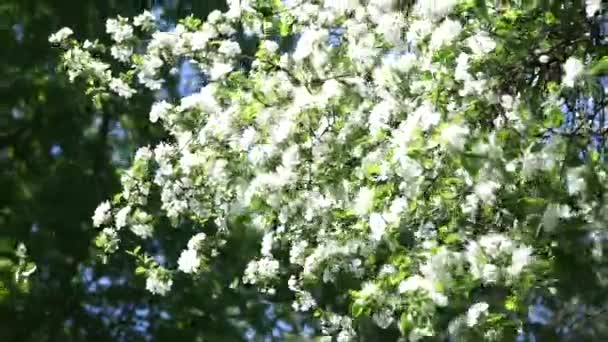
{"points": [[59, 158]]}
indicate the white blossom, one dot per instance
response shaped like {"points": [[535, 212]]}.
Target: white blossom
{"points": [[60, 35], [188, 261], [271, 46], [102, 214], [476, 312], [121, 53], [455, 136], [364, 201], [575, 181], [159, 111], [520, 258], [447, 31], [143, 19], [121, 88], [592, 7], [486, 190], [229, 48], [573, 68], [435, 8], [143, 230], [196, 240], [119, 30], [157, 283], [122, 216], [481, 44], [377, 226]]}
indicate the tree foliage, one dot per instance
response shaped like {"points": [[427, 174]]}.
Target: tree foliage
{"points": [[364, 170], [59, 158]]}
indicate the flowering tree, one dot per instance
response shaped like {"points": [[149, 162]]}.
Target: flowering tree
{"points": [[405, 172]]}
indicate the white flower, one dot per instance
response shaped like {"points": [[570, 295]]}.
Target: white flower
{"points": [[511, 166], [414, 283], [471, 202], [87, 44], [398, 206], [271, 46], [157, 283], [121, 88], [553, 213], [476, 312], [462, 68], [304, 301], [267, 244], [390, 25], [379, 116], [377, 226], [476, 259], [364, 201], [438, 298], [199, 40], [121, 53], [406, 62], [188, 261], [102, 214], [544, 59], [122, 217], [486, 191], [341, 5], [445, 33], [203, 100], [521, 257], [118, 30], [418, 30], [427, 115], [144, 18], [592, 7], [307, 43], [143, 230], [261, 270], [495, 244], [435, 8], [573, 68], [455, 136], [214, 17], [481, 44], [490, 273], [60, 35], [229, 48], [219, 70], [575, 181], [143, 154], [248, 138], [159, 110], [195, 241]]}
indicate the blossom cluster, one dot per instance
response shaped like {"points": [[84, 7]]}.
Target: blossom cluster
{"points": [[338, 151]]}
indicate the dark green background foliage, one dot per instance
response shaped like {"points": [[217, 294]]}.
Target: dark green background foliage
{"points": [[60, 157], [46, 198]]}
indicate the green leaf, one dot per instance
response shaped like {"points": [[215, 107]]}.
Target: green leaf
{"points": [[511, 304], [452, 238], [30, 268], [285, 27], [600, 67], [140, 270], [5, 263], [405, 324]]}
